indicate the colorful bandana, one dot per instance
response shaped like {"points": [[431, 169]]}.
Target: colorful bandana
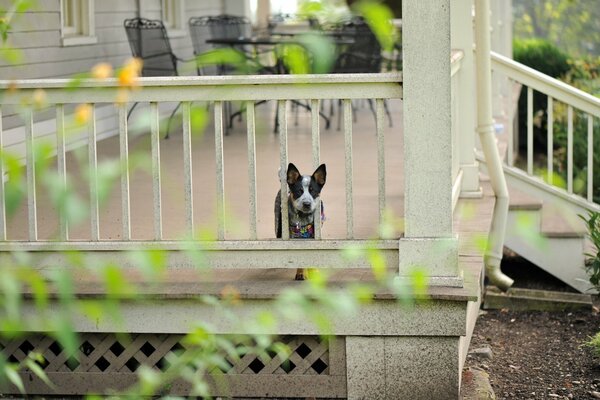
{"points": [[307, 231]]}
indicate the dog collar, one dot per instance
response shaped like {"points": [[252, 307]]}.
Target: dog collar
{"points": [[306, 231]]}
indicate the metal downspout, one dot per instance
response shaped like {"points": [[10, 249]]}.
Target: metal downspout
{"points": [[485, 128]]}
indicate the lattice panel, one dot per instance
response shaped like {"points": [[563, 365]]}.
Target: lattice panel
{"points": [[107, 353], [309, 356]]}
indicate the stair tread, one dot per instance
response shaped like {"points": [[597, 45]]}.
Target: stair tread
{"points": [[559, 222], [519, 200]]}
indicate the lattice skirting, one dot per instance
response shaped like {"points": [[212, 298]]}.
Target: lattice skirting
{"points": [[315, 368]]}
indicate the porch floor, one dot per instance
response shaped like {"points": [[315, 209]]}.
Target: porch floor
{"points": [[236, 179]]}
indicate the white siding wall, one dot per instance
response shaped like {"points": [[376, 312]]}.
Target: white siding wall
{"points": [[37, 34]]}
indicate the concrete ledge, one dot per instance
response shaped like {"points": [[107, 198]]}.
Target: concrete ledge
{"points": [[518, 299], [402, 368]]}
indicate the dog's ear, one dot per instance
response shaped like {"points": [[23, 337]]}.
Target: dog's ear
{"points": [[292, 174], [320, 174]]}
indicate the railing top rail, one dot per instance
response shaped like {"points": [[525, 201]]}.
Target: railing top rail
{"points": [[174, 81], [209, 88], [547, 85]]}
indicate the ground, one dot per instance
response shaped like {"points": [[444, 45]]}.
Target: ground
{"points": [[538, 355]]}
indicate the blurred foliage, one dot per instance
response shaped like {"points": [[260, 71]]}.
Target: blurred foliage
{"points": [[37, 300], [541, 55], [572, 25], [582, 73], [592, 265]]}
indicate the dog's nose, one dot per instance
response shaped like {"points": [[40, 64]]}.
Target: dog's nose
{"points": [[306, 204]]}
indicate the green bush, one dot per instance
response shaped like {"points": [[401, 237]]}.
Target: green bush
{"points": [[542, 56], [592, 263], [548, 59], [583, 74]]}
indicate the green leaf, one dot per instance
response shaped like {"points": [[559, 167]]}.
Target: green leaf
{"points": [[14, 378], [64, 332], [108, 172], [320, 51], [420, 280], [38, 371], [379, 17], [296, 59], [117, 285], [10, 54], [378, 265], [10, 292], [198, 120], [76, 80]]}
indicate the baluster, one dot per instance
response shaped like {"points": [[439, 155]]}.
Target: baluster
{"points": [[570, 149], [93, 168], [220, 170], [316, 154], [380, 158], [156, 183], [530, 131], [124, 158], [187, 169], [550, 140], [2, 192], [348, 161], [590, 159], [62, 168], [283, 161], [509, 129], [251, 131], [30, 160]]}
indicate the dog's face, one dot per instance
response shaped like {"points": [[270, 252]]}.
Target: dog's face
{"points": [[305, 189]]}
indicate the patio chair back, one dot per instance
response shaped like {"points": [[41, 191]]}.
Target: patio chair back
{"points": [[364, 54], [149, 41], [216, 26]]}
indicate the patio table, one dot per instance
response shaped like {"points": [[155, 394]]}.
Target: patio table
{"points": [[274, 40]]}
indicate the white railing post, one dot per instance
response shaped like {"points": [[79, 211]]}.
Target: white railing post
{"points": [[462, 38], [429, 239]]}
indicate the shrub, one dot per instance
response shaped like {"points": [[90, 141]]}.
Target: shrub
{"points": [[542, 56], [592, 264], [548, 59]]}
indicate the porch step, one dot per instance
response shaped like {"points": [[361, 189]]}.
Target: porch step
{"points": [[549, 235], [522, 201]]}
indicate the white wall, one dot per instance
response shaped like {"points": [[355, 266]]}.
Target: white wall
{"points": [[37, 34]]}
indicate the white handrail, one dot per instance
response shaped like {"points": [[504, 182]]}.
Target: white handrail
{"points": [[574, 99], [546, 84], [216, 91]]}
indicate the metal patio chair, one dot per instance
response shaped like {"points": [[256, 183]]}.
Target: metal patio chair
{"points": [[363, 55], [224, 27], [149, 41]]}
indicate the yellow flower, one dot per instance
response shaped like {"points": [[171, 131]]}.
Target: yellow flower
{"points": [[230, 294], [130, 72], [39, 98], [102, 71], [83, 113]]}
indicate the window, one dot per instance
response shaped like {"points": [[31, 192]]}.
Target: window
{"points": [[77, 20], [173, 17]]}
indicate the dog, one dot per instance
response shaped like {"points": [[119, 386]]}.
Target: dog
{"points": [[304, 190]]}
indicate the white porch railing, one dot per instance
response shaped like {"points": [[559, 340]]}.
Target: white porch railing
{"points": [[224, 252], [574, 99], [215, 90]]}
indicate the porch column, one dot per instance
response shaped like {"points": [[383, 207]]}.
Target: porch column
{"points": [[462, 39], [429, 240]]}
